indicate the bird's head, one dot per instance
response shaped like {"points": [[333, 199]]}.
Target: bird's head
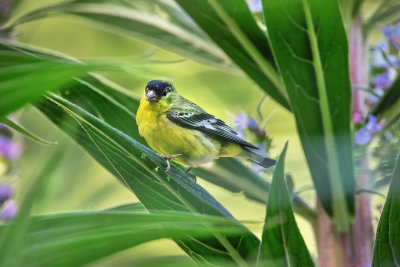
{"points": [[160, 91]]}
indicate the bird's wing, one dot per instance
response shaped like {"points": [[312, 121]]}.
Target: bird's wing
{"points": [[189, 115]]}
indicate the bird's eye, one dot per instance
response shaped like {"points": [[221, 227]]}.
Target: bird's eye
{"points": [[165, 93]]}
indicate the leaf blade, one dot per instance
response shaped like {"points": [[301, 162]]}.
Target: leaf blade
{"points": [[310, 47], [157, 22], [233, 28], [387, 244], [122, 156], [282, 243]]}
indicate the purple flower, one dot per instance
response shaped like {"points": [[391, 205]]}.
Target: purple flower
{"points": [[382, 80], [364, 135], [392, 33], [6, 191], [240, 123], [381, 45], [9, 210], [8, 148], [252, 124], [372, 124], [378, 60], [255, 5], [4, 127], [4, 6]]}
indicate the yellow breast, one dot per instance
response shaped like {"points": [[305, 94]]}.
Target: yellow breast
{"points": [[168, 138]]}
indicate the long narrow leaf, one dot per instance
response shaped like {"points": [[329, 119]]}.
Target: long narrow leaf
{"points": [[158, 22], [282, 243], [387, 243], [76, 238], [16, 127], [13, 236], [310, 46], [232, 175], [25, 74], [388, 107], [234, 29], [140, 168]]}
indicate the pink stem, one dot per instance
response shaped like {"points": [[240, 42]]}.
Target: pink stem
{"points": [[362, 227], [357, 67]]}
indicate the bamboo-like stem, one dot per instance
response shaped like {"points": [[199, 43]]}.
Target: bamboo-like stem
{"points": [[325, 238], [363, 234], [355, 247]]}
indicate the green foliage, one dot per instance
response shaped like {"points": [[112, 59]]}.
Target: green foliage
{"points": [[20, 129], [158, 22], [388, 107], [20, 70], [234, 29], [26, 73], [387, 243], [13, 237], [302, 63], [76, 238], [385, 154], [282, 243], [232, 175], [108, 143], [314, 68]]}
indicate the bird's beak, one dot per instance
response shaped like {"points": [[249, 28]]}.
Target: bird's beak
{"points": [[151, 96]]}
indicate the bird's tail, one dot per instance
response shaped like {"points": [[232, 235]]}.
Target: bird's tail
{"points": [[255, 156]]}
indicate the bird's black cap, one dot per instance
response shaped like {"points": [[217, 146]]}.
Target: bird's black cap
{"points": [[159, 86]]}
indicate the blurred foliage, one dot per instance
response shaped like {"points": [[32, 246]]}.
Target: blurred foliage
{"points": [[385, 153], [98, 114]]}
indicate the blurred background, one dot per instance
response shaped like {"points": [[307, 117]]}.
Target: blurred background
{"points": [[80, 183]]}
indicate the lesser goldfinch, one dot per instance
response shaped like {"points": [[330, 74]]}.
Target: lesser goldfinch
{"points": [[181, 131]]}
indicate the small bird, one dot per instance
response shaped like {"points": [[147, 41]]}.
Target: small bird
{"points": [[181, 131]]}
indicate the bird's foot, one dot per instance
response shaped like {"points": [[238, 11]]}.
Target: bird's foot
{"points": [[168, 159], [187, 172]]}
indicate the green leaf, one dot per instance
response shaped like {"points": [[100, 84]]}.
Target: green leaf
{"points": [[234, 29], [232, 175], [386, 13], [310, 46], [25, 74], [350, 9], [388, 107], [23, 77], [77, 238], [13, 237], [387, 243], [15, 126], [112, 144], [157, 22], [282, 243]]}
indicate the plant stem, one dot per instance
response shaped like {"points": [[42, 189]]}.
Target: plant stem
{"points": [[362, 228], [324, 234], [357, 68]]}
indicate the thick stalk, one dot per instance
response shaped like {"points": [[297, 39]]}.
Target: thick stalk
{"points": [[334, 248], [362, 227], [324, 233], [353, 248]]}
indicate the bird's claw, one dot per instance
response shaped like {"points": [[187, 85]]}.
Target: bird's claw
{"points": [[168, 158], [187, 172]]}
